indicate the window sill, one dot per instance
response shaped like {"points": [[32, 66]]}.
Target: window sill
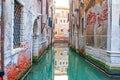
{"points": [[43, 42], [17, 50]]}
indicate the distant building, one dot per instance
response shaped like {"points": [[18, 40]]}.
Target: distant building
{"points": [[61, 29], [61, 22], [61, 61]]}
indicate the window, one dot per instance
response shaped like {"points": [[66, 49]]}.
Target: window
{"points": [[60, 63], [61, 20], [55, 62], [56, 21], [17, 22], [61, 30], [64, 21], [61, 53], [63, 62], [55, 32]]}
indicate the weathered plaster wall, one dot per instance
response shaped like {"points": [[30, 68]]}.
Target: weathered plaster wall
{"points": [[101, 33], [97, 23], [17, 60], [96, 31]]}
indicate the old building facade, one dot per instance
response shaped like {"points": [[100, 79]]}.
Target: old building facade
{"points": [[61, 30], [61, 22], [23, 33], [94, 29]]}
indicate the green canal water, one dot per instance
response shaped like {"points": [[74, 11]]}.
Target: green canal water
{"points": [[60, 63]]}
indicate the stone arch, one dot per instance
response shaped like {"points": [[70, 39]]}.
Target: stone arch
{"points": [[35, 28], [35, 39]]}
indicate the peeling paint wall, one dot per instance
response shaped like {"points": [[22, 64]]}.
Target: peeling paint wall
{"points": [[97, 23], [101, 28], [18, 60]]}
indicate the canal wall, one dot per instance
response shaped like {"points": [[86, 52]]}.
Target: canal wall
{"points": [[23, 35], [17, 57], [42, 47], [95, 38], [98, 63], [100, 35]]}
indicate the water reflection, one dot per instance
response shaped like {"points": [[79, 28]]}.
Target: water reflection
{"points": [[64, 64], [60, 61], [44, 69], [79, 69], [70, 66]]}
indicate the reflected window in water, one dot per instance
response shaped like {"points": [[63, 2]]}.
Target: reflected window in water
{"points": [[61, 53], [61, 56]]}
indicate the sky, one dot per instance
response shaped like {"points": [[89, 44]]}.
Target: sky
{"points": [[62, 3]]}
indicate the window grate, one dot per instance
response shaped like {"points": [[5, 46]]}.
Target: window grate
{"points": [[17, 22]]}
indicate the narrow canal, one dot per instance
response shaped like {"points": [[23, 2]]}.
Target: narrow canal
{"points": [[60, 63]]}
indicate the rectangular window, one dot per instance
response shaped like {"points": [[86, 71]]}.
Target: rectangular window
{"points": [[56, 21], [61, 21], [17, 22], [64, 21]]}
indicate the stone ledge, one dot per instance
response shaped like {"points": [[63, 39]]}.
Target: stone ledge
{"points": [[107, 68], [11, 53], [115, 52], [112, 70], [114, 58], [43, 42], [17, 50]]}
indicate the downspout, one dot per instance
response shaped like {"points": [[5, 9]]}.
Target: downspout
{"points": [[2, 40]]}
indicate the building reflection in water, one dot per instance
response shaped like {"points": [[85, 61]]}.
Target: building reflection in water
{"points": [[43, 70], [60, 61]]}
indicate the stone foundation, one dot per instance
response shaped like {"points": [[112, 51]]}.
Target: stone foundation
{"points": [[107, 62]]}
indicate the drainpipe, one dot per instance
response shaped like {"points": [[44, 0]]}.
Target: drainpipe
{"points": [[2, 40]]}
